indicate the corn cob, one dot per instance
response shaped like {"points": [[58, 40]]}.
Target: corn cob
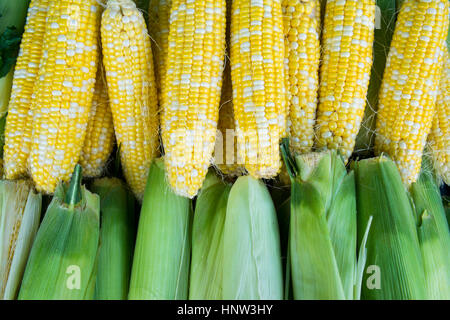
{"points": [[99, 140], [158, 28], [163, 244], [257, 74], [63, 260], [20, 212], [434, 235], [392, 243], [251, 244], [64, 91], [302, 50], [117, 234], [410, 81], [322, 240], [128, 62], [345, 72], [191, 94], [206, 272], [226, 150], [439, 137], [384, 29], [18, 122]]}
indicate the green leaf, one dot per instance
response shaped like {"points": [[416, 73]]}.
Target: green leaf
{"points": [[9, 48]]}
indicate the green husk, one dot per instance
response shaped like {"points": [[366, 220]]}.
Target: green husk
{"points": [[323, 227], [161, 258], [384, 29], [117, 235], [19, 220], [393, 252], [63, 260], [252, 258], [207, 240], [434, 236]]}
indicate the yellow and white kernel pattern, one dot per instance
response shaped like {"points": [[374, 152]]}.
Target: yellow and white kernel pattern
{"points": [[344, 73], [191, 94], [301, 32], [128, 62], [64, 91], [410, 81], [257, 74], [99, 140], [19, 120], [439, 137], [158, 28]]}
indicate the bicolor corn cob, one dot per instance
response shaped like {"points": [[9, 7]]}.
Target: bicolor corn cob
{"points": [[191, 94], [128, 61], [158, 28], [439, 136], [18, 122], [345, 72], [227, 162], [410, 82], [257, 74], [99, 140], [302, 50], [64, 91]]}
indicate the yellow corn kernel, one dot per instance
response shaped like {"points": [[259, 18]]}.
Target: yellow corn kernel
{"points": [[128, 61], [99, 140], [64, 91], [344, 73], [410, 81], [158, 28], [302, 50], [19, 120], [439, 137], [257, 74], [191, 94]]}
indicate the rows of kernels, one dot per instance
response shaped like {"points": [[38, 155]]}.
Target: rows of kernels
{"points": [[344, 72], [302, 50], [18, 122], [158, 28], [128, 61], [64, 91], [191, 94], [439, 136], [408, 93], [257, 73], [99, 140]]}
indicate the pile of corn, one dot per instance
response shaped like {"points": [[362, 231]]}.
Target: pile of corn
{"points": [[234, 128]]}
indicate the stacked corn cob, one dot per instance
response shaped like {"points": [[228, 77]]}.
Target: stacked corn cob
{"points": [[345, 72], [301, 29], [191, 93], [128, 62], [410, 84], [99, 139], [439, 137], [53, 91], [257, 74]]}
